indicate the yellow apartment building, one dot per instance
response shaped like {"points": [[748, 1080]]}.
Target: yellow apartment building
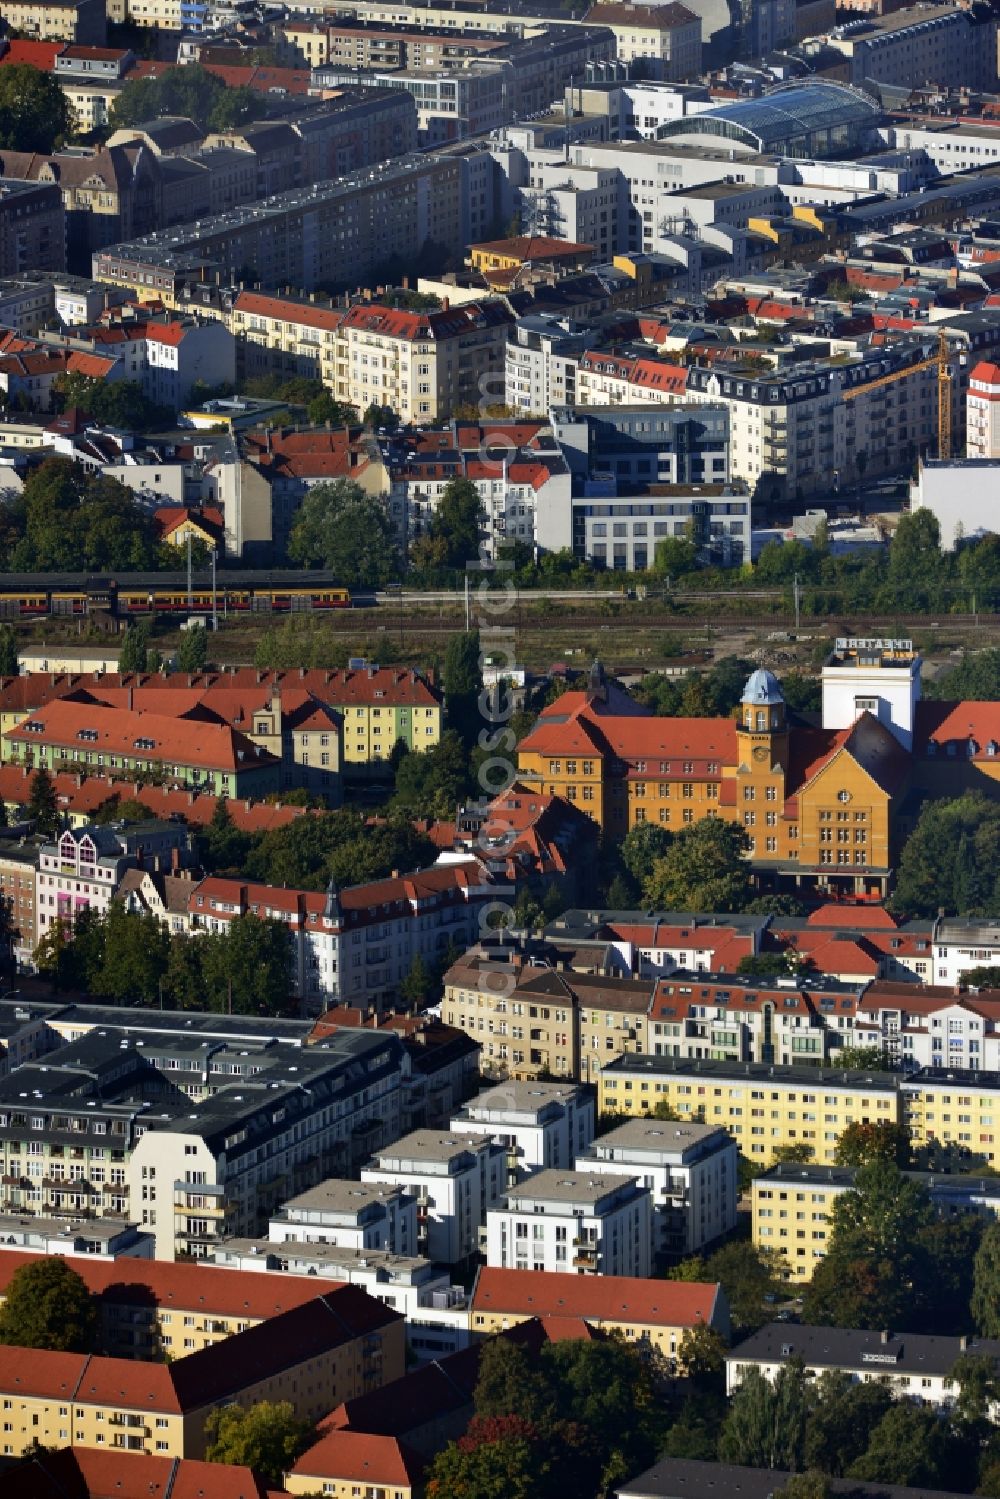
{"points": [[316, 1355], [650, 1312], [763, 1107], [792, 1207], [346, 1464]]}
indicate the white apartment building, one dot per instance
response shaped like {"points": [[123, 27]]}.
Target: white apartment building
{"points": [[572, 1221], [456, 1179], [349, 1215], [982, 411], [436, 1311], [689, 1170], [666, 38], [84, 868], [540, 1125], [914, 1366], [540, 364]]}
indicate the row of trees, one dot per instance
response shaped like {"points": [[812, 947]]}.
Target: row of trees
{"points": [[129, 958]]}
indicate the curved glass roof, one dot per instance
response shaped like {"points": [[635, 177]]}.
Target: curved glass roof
{"points": [[788, 113]]}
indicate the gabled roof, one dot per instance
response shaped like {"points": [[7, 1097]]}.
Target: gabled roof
{"points": [[141, 734], [358, 1457], [607, 1298]]}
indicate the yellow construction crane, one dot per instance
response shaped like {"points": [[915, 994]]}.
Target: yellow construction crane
{"points": [[941, 361]]}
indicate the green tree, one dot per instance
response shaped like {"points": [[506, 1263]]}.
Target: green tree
{"points": [[72, 521], [134, 648], [500, 1457], [747, 1274], [875, 1271], [812, 1484], [641, 847], [48, 1306], [248, 967], [864, 1141], [674, 557], [43, 808], [842, 1417], [136, 950], [380, 416], [865, 1059], [189, 90], [432, 783], [452, 536], [417, 988], [704, 869], [345, 531], [323, 410], [53, 956], [797, 1154], [266, 1437], [192, 653], [222, 845], [766, 1425], [463, 684], [34, 114], [763, 965], [915, 549], [10, 666], [701, 1355], [983, 977], [510, 1382], [985, 1304], [910, 1446], [947, 862]]}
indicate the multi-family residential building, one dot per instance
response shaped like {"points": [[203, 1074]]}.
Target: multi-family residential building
{"points": [[531, 1018], [349, 1215], [336, 231], [334, 1346], [913, 1366], [83, 869], [32, 228], [593, 1224], [436, 1310], [656, 1313], [196, 1159], [152, 1308], [18, 886], [763, 1107], [108, 192], [540, 1124], [952, 47], [664, 39], [456, 1179], [540, 363], [86, 734], [59, 21], [792, 1207], [690, 1171], [75, 1237], [517, 468], [982, 412], [355, 945], [421, 365]]}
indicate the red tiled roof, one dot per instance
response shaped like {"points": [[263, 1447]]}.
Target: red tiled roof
{"points": [[212, 1290], [860, 916], [306, 313], [41, 55], [358, 1457], [942, 724], [529, 247], [214, 745], [595, 1298]]}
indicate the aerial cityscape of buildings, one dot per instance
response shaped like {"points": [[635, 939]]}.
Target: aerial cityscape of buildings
{"points": [[499, 749]]}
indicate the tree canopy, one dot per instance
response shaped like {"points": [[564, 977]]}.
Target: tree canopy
{"points": [[67, 520], [948, 862], [34, 113], [190, 91], [452, 535], [347, 532], [703, 869], [266, 1437], [48, 1306]]}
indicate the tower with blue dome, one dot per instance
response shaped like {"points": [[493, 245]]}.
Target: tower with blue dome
{"points": [[763, 729]]}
